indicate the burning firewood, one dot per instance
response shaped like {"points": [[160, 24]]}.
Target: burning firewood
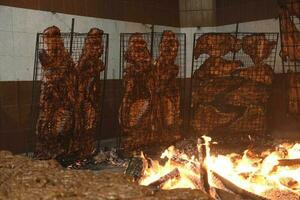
{"points": [[236, 189], [174, 174], [203, 168], [289, 162], [277, 194]]}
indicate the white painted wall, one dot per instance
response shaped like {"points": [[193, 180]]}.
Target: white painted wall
{"points": [[18, 28]]}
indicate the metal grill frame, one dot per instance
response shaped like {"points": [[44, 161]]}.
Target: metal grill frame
{"points": [[240, 55], [74, 43], [290, 67], [153, 40]]}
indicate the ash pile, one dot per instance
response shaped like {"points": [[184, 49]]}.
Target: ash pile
{"points": [[105, 159]]}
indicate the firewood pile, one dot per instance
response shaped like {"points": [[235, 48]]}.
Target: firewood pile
{"points": [[150, 108], [289, 14], [231, 79], [71, 90]]}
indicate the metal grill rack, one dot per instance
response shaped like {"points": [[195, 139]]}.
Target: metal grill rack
{"points": [[290, 56], [150, 133], [73, 43], [227, 97]]}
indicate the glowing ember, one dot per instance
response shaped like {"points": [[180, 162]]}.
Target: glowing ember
{"points": [[259, 174]]}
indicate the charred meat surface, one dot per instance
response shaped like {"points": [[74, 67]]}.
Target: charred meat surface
{"points": [[89, 92], [290, 38], [69, 107], [134, 113], [208, 118], [248, 93], [257, 47], [216, 67], [150, 108], [294, 93], [54, 124], [261, 73], [216, 44]]}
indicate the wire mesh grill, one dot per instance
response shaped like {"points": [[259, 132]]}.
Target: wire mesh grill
{"points": [[231, 78], [153, 68], [68, 93], [290, 36], [290, 51]]}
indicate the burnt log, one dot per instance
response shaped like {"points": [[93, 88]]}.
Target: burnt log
{"points": [[169, 176], [236, 189]]}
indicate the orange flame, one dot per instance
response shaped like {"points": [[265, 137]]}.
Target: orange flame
{"points": [[256, 173]]}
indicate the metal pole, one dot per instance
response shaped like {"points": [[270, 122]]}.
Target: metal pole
{"points": [[152, 40], [236, 33], [72, 34]]}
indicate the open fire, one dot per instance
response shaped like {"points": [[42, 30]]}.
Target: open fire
{"points": [[253, 173]]}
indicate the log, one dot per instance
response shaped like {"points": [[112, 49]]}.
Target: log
{"points": [[203, 171], [225, 195], [236, 189], [183, 162], [173, 174], [289, 162]]}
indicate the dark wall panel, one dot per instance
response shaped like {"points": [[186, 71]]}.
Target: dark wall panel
{"points": [[160, 12], [15, 99], [233, 11]]}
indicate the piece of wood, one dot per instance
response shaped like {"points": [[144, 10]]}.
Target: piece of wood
{"points": [[289, 162], [237, 190], [203, 171], [173, 174], [183, 162]]}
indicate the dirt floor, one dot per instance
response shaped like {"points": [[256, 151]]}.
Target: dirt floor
{"points": [[25, 179]]}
